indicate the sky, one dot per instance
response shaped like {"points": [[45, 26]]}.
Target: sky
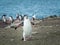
{"points": [[40, 8]]}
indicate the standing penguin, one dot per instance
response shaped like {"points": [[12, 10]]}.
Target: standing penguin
{"points": [[4, 18], [27, 28], [20, 17], [11, 19]]}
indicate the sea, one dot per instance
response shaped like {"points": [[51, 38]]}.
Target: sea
{"points": [[40, 8]]}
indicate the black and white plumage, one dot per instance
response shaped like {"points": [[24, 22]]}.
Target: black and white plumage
{"points": [[20, 17], [11, 18], [27, 28], [4, 18]]}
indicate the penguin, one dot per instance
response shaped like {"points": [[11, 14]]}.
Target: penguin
{"points": [[4, 18], [20, 17], [11, 19], [34, 17], [27, 28], [17, 16]]}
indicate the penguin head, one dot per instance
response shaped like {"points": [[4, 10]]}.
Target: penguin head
{"points": [[25, 17], [4, 15]]}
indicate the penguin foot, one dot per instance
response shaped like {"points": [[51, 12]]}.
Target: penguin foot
{"points": [[15, 28], [22, 38]]}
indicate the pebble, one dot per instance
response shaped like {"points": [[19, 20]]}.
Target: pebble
{"points": [[11, 39]]}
